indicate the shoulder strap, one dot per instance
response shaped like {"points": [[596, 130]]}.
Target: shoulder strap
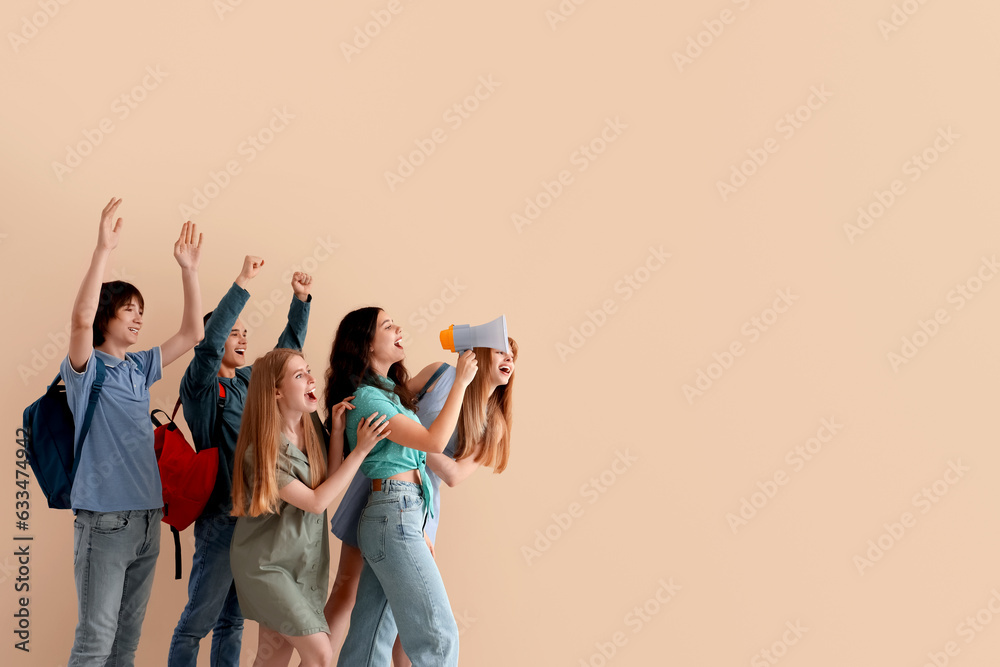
{"points": [[320, 429], [220, 404], [441, 369], [95, 391]]}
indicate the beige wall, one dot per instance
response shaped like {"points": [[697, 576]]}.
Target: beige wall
{"points": [[833, 303]]}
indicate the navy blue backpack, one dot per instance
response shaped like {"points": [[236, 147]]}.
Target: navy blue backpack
{"points": [[49, 439]]}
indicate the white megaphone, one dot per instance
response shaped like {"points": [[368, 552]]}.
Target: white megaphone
{"points": [[461, 337]]}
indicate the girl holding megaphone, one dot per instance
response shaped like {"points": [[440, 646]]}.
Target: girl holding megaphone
{"points": [[481, 437]]}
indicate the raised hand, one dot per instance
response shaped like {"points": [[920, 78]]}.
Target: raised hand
{"points": [[467, 367], [107, 235], [301, 284], [187, 250], [251, 267]]}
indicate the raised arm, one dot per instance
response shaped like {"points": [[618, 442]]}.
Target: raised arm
{"points": [[187, 252], [370, 431], [204, 367], [81, 333], [293, 336], [434, 439]]}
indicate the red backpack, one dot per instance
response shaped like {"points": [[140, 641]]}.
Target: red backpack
{"points": [[187, 476]]}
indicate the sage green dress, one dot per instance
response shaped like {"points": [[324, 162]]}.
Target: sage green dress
{"points": [[281, 562]]}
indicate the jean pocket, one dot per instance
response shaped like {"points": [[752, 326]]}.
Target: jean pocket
{"points": [[371, 537], [411, 503], [77, 537], [108, 523]]}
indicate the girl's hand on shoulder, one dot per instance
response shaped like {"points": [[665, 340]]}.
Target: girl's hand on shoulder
{"points": [[371, 430], [466, 369], [338, 415]]}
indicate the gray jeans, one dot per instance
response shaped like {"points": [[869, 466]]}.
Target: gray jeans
{"points": [[114, 556]]}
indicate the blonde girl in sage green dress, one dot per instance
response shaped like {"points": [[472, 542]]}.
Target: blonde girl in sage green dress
{"points": [[282, 485]]}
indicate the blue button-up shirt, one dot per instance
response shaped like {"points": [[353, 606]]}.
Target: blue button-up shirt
{"points": [[117, 469]]}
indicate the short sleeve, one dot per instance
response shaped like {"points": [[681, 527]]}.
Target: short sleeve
{"points": [[369, 399], [151, 363], [78, 384], [284, 474]]}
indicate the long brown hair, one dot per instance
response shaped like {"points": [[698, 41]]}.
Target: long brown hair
{"points": [[261, 427], [350, 362], [486, 420]]}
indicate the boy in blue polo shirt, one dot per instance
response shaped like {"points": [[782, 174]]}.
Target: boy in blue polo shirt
{"points": [[219, 368], [116, 494]]}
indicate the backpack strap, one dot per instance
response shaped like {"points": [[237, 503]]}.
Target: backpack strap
{"points": [[441, 369], [177, 552], [320, 429], [95, 391], [220, 405]]}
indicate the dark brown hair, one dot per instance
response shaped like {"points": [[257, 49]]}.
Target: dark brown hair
{"points": [[114, 295]]}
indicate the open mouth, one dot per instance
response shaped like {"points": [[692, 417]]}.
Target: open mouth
{"points": [[134, 330], [311, 395], [240, 350], [506, 370], [399, 343]]}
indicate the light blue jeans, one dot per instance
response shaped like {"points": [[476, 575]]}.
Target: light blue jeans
{"points": [[212, 604], [400, 587], [114, 556]]}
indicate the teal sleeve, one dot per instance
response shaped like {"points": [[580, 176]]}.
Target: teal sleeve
{"points": [[366, 401], [294, 334], [204, 367]]}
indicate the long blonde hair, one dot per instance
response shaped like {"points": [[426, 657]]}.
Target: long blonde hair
{"points": [[486, 420], [261, 427]]}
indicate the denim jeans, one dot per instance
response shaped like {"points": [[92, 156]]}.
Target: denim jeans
{"points": [[400, 587], [212, 605], [114, 556]]}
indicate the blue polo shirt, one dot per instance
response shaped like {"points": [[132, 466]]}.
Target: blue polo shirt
{"points": [[387, 458], [117, 469]]}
